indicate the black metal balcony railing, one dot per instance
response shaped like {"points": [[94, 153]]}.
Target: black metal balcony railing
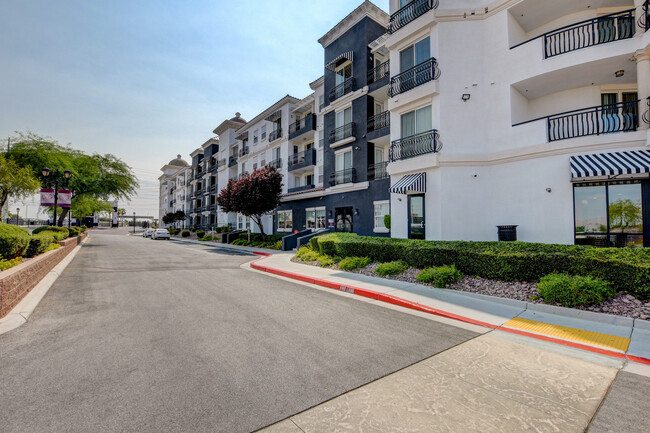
{"points": [[415, 145], [379, 72], [232, 160], [644, 19], [343, 176], [601, 30], [308, 157], [379, 121], [602, 119], [409, 13], [214, 187], [343, 132], [342, 89], [276, 163], [244, 151], [221, 163], [275, 134], [307, 123], [416, 76], [646, 113], [378, 171]]}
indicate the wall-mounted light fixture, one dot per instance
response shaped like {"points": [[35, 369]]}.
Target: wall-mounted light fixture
{"points": [[619, 73], [357, 148], [330, 213], [465, 97], [548, 190], [356, 212]]}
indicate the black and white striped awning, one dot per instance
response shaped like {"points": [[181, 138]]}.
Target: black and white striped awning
{"points": [[416, 182], [338, 61], [610, 164]]}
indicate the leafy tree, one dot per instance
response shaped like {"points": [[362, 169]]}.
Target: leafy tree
{"points": [[172, 217], [625, 214], [102, 177], [121, 211], [15, 181], [253, 195]]}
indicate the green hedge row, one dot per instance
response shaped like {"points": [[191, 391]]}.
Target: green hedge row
{"points": [[60, 233], [39, 242], [13, 241], [628, 269]]}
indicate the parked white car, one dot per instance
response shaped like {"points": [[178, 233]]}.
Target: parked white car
{"points": [[161, 234], [148, 232]]}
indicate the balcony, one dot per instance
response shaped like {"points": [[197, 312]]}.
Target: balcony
{"points": [[378, 73], [244, 151], [242, 175], [275, 134], [341, 90], [644, 20], [276, 163], [415, 145], [602, 119], [302, 159], [409, 13], [343, 176], [378, 171], [414, 77], [588, 33], [300, 188], [232, 161], [379, 121], [214, 188], [221, 163], [198, 175], [299, 127], [343, 132]]}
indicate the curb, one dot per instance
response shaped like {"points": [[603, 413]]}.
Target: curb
{"points": [[21, 312], [423, 308]]}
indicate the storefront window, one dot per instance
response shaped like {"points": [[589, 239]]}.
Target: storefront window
{"points": [[320, 218], [609, 215], [285, 222], [311, 219]]}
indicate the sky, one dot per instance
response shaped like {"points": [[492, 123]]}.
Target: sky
{"points": [[147, 80]]}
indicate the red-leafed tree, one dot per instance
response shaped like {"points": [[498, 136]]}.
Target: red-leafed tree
{"points": [[253, 195]]}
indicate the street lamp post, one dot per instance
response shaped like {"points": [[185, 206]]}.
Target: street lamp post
{"points": [[133, 222], [67, 174], [17, 214]]}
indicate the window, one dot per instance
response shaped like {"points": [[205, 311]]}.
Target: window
{"points": [[264, 132], [609, 214], [309, 179], [417, 122], [343, 117], [382, 208], [343, 160], [315, 218], [309, 146], [310, 218], [255, 136], [321, 138], [343, 73], [321, 102], [276, 153], [243, 223], [415, 54], [285, 220]]}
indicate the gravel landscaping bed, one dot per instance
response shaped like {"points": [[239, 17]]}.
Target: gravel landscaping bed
{"points": [[621, 305]]}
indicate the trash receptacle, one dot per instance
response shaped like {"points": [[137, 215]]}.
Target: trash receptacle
{"points": [[507, 233]]}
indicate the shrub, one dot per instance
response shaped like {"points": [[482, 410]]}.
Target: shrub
{"points": [[352, 263], [441, 276], [193, 229], [278, 245], [38, 243], [60, 233], [207, 238], [200, 233], [74, 231], [325, 261], [6, 264], [307, 254], [387, 221], [627, 269], [185, 233], [392, 268], [52, 246], [84, 228], [13, 241], [572, 290]]}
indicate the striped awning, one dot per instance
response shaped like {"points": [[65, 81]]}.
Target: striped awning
{"points": [[610, 164], [338, 60], [410, 183]]}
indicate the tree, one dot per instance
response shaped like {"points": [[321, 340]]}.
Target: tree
{"points": [[102, 177], [15, 181], [253, 195], [625, 214], [172, 217]]}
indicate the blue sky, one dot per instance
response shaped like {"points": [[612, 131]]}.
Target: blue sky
{"points": [[146, 80]]}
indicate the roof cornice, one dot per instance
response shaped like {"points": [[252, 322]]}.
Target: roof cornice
{"points": [[286, 100], [366, 9], [317, 83]]}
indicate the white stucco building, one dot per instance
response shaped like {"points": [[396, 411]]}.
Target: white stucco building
{"points": [[174, 189]]}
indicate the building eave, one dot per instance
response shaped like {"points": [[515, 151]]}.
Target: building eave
{"points": [[366, 9], [288, 99]]}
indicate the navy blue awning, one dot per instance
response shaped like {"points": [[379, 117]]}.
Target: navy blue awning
{"points": [[416, 182], [610, 164]]}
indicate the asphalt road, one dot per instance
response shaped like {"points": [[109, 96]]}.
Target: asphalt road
{"points": [[152, 336]]}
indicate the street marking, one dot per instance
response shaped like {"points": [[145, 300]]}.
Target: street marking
{"points": [[573, 334]]}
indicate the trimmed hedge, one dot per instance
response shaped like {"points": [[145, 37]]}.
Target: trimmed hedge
{"points": [[60, 233], [573, 290], [628, 269], [13, 241], [200, 234], [39, 243], [74, 231], [185, 233]]}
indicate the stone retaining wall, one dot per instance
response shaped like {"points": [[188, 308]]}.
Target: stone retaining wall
{"points": [[16, 282]]}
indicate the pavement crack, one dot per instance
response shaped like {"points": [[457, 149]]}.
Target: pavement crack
{"points": [[294, 423]]}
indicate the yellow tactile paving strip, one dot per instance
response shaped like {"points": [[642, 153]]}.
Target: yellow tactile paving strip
{"points": [[573, 334]]}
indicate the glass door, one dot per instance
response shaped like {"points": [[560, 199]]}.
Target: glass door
{"points": [[416, 216], [344, 219]]}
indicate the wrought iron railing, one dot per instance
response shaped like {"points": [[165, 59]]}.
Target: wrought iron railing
{"points": [[410, 12], [275, 134], [276, 163], [221, 163], [307, 156], [644, 19], [646, 113], [602, 119], [343, 176], [342, 89], [379, 72], [306, 123], [379, 121], [415, 145], [343, 132], [417, 75], [214, 187], [244, 151], [378, 171], [232, 160]]}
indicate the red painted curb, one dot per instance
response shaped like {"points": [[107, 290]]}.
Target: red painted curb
{"points": [[419, 307]]}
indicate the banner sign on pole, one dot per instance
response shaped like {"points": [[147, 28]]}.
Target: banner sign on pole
{"points": [[65, 198], [47, 197]]}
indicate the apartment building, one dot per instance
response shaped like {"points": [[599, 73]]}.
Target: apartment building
{"points": [[173, 188], [520, 113]]}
